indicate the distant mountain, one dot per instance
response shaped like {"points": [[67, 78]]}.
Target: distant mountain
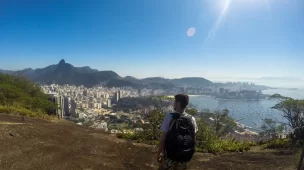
{"points": [[65, 73], [186, 81], [130, 78], [87, 69], [155, 80], [6, 71], [191, 81], [122, 82]]}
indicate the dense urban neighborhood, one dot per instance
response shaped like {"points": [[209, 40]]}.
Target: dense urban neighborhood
{"points": [[125, 109]]}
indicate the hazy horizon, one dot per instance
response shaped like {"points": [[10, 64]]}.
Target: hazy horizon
{"points": [[223, 39], [277, 82]]}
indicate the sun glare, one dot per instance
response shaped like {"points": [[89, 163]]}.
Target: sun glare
{"points": [[220, 19], [224, 7]]}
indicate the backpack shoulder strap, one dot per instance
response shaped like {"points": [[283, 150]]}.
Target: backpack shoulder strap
{"points": [[188, 116], [189, 120], [175, 116]]}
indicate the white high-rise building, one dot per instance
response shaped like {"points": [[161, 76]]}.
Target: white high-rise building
{"points": [[60, 102], [109, 103], [120, 94], [99, 105], [117, 97], [84, 105]]}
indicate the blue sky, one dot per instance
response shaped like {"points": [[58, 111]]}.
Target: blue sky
{"points": [[142, 38]]}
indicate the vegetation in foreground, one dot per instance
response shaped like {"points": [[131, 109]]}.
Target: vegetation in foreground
{"points": [[209, 136], [22, 97], [278, 144]]}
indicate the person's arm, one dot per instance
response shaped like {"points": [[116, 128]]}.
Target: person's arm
{"points": [[161, 146], [195, 125], [164, 128]]}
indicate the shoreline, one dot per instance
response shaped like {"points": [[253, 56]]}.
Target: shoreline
{"points": [[217, 98]]}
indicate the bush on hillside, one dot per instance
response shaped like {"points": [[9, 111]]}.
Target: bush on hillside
{"points": [[207, 140], [128, 136], [22, 112], [21, 96], [279, 144], [138, 137], [221, 145]]}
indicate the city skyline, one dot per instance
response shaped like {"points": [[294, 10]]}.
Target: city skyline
{"points": [[226, 38]]}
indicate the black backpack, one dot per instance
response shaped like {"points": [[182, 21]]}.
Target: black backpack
{"points": [[180, 140]]}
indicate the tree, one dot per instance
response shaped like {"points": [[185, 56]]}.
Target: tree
{"points": [[293, 111], [152, 130], [272, 128], [222, 122]]}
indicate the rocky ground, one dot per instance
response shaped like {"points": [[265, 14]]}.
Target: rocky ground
{"points": [[39, 144]]}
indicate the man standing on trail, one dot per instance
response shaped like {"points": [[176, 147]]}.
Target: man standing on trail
{"points": [[177, 143]]}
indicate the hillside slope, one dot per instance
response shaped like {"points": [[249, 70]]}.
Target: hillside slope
{"points": [[38, 144]]}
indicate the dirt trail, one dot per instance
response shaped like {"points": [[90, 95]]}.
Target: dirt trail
{"points": [[38, 144]]}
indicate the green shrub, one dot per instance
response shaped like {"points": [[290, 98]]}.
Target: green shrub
{"points": [[208, 147], [207, 141], [278, 144], [234, 146], [221, 145], [128, 136], [19, 111], [252, 143]]}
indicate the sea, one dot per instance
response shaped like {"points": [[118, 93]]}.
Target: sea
{"points": [[250, 113]]}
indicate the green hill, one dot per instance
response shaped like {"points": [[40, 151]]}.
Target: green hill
{"points": [[21, 96]]}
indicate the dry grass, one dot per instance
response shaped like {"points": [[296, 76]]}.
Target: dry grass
{"points": [[19, 111]]}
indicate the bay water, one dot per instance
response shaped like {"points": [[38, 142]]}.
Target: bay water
{"points": [[248, 112]]}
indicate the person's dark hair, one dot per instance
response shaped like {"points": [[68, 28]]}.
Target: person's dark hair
{"points": [[183, 99]]}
